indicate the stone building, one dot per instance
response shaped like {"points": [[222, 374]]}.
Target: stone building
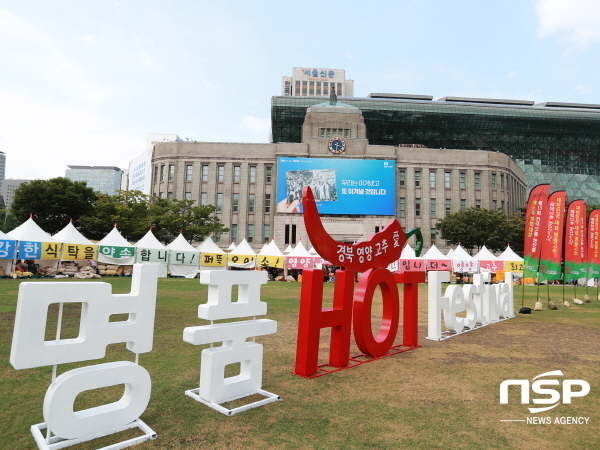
{"points": [[242, 180]]}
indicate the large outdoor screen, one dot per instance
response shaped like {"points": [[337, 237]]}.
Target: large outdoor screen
{"points": [[340, 186]]}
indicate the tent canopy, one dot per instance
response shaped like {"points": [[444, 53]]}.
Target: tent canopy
{"points": [[30, 231], [71, 235]]}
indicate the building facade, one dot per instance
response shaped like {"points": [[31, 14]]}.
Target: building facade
{"points": [[139, 176], [252, 193], [556, 143], [7, 190], [102, 179], [313, 82]]}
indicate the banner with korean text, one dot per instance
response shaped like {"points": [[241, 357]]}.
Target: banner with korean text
{"points": [[213, 259], [182, 257], [7, 249], [151, 255], [39, 250], [79, 252], [116, 252], [536, 212], [573, 240], [552, 240], [271, 261], [593, 245]]}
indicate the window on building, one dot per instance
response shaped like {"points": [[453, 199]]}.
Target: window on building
{"points": [[169, 195], [289, 236], [417, 178], [447, 180], [235, 202], [477, 203], [162, 172], [268, 173], [252, 174], [217, 237], [250, 234], [237, 170], [493, 181], [155, 174], [433, 235], [220, 173], [234, 232], [189, 172], [219, 202], [463, 204], [402, 177], [267, 203], [501, 181], [251, 202], [462, 180], [161, 194], [204, 198], [494, 204], [448, 206], [205, 172], [417, 207], [267, 232], [171, 172], [432, 207], [402, 207], [188, 195], [477, 180], [432, 178]]}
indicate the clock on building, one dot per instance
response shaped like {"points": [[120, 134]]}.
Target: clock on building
{"points": [[337, 145]]}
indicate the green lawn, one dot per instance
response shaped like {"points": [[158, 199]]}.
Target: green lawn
{"points": [[440, 396]]}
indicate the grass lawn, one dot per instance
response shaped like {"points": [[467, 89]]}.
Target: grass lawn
{"points": [[440, 396]]}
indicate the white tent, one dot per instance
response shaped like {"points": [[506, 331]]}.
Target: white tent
{"points": [[512, 262], [288, 249], [71, 235], [210, 254], [488, 262], [29, 231], [410, 262], [149, 250], [463, 262], [126, 255], [299, 258], [183, 258], [436, 260], [449, 254], [271, 256], [242, 256], [231, 247], [312, 251]]}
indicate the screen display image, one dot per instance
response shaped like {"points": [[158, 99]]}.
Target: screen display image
{"points": [[340, 186]]}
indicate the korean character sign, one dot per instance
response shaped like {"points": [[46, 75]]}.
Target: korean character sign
{"points": [[271, 261], [213, 259], [79, 252], [245, 261], [116, 252], [186, 258], [151, 255], [7, 249], [299, 262], [214, 387], [50, 250], [64, 426], [30, 250]]}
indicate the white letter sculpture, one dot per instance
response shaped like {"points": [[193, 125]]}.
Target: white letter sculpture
{"points": [[64, 426], [214, 387], [482, 303]]}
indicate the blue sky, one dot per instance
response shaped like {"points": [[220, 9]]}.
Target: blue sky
{"points": [[85, 82]]}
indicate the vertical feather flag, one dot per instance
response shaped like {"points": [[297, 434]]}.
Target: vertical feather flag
{"points": [[593, 245], [573, 240], [536, 213], [552, 240]]}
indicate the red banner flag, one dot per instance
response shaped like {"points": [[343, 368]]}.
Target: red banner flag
{"points": [[552, 241], [536, 213], [575, 241], [593, 245]]}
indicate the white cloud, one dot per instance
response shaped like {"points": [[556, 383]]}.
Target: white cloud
{"points": [[510, 75], [577, 21], [256, 130], [349, 56]]}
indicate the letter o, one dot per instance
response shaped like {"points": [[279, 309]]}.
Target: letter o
{"points": [[60, 397], [363, 301]]}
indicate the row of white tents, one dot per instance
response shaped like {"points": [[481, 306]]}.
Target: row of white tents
{"points": [[180, 258]]}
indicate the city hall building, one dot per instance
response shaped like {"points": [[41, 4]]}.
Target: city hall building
{"points": [[364, 165]]}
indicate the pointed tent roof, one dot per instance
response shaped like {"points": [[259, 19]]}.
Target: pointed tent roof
{"points": [[149, 241], [300, 251], [271, 250], [263, 247], [231, 247], [288, 249], [243, 249], [71, 235], [115, 238], [408, 252], [485, 255], [509, 255], [5, 237], [434, 253], [30, 231], [449, 254], [179, 243], [460, 254], [209, 246], [312, 251]]}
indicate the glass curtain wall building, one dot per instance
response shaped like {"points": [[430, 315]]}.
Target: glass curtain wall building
{"points": [[556, 143]]}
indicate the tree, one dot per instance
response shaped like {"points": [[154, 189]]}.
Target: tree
{"points": [[169, 217], [53, 202], [475, 227], [8, 222], [127, 209]]}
